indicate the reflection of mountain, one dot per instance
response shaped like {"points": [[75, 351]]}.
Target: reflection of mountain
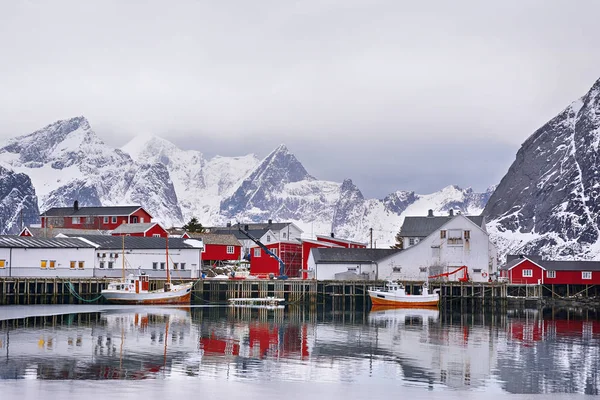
{"points": [[524, 353]]}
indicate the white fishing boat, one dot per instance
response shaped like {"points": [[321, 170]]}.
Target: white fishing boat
{"points": [[394, 294], [134, 289]]}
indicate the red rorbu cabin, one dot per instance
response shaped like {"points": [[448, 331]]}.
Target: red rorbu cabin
{"points": [[151, 229], [262, 264], [102, 218], [524, 270]]}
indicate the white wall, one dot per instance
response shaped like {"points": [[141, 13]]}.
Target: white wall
{"points": [[291, 231], [26, 262], [419, 261], [144, 259], [324, 272]]}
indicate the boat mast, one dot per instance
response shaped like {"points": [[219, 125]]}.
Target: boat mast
{"points": [[167, 253], [123, 259]]}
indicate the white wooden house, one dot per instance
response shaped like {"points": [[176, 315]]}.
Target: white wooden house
{"points": [[346, 263], [46, 257], [456, 242], [146, 254]]}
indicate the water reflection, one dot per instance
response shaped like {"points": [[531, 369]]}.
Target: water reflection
{"points": [[534, 351]]}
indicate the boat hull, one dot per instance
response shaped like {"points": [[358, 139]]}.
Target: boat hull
{"points": [[379, 298], [180, 295]]}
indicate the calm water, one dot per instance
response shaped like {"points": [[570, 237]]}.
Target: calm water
{"points": [[248, 352]]}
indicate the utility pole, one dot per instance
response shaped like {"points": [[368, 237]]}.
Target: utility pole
{"points": [[371, 235]]}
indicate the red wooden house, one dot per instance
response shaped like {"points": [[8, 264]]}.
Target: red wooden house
{"points": [[349, 244], [218, 247], [102, 218], [290, 253], [151, 229], [533, 270], [312, 244]]}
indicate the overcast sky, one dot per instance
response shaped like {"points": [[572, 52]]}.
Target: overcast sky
{"points": [[392, 94]]}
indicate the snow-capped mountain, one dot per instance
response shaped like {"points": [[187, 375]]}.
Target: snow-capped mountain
{"points": [[547, 203], [200, 184], [18, 202], [66, 161]]}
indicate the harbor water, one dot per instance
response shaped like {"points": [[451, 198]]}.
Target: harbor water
{"points": [[105, 351]]}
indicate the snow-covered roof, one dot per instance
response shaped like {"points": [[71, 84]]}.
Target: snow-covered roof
{"points": [[424, 226], [89, 211], [135, 242], [41, 243], [344, 255], [134, 228]]}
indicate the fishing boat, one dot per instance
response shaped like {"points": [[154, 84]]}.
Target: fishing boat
{"points": [[135, 289], [394, 294]]}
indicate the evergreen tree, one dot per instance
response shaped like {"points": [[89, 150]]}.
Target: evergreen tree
{"points": [[399, 242], [194, 226]]}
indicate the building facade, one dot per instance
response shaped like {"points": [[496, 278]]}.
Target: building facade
{"points": [[102, 218], [290, 253], [531, 270]]}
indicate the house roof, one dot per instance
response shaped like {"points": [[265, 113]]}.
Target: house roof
{"points": [[344, 255], [134, 228], [41, 243], [135, 242], [256, 233], [216, 238], [516, 261], [424, 226], [53, 232], [340, 240], [319, 242], [90, 211]]}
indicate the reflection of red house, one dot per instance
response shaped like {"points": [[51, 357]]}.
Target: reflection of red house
{"points": [[537, 330], [533, 270], [279, 341], [214, 345], [349, 244], [306, 246], [290, 253]]}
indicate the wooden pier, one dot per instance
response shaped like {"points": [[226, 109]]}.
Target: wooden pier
{"points": [[342, 294]]}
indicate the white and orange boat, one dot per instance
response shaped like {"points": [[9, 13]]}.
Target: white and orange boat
{"points": [[134, 289], [394, 294]]}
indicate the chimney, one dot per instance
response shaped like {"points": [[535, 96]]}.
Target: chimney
{"points": [[430, 213], [451, 213], [332, 235], [270, 221], [75, 206]]}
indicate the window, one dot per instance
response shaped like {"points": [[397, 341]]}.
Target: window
{"points": [[75, 220], [81, 264], [105, 220], [229, 249], [162, 265], [467, 234], [527, 273], [478, 270], [52, 264], [284, 235], [114, 220], [257, 252], [134, 220], [111, 264], [411, 241], [274, 251], [2, 264], [550, 274], [586, 274], [142, 220], [156, 235], [182, 265], [154, 265], [175, 265], [268, 238], [101, 264], [442, 234], [43, 264], [397, 269], [423, 269], [72, 264]]}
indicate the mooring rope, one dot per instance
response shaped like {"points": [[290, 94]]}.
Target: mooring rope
{"points": [[71, 288]]}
